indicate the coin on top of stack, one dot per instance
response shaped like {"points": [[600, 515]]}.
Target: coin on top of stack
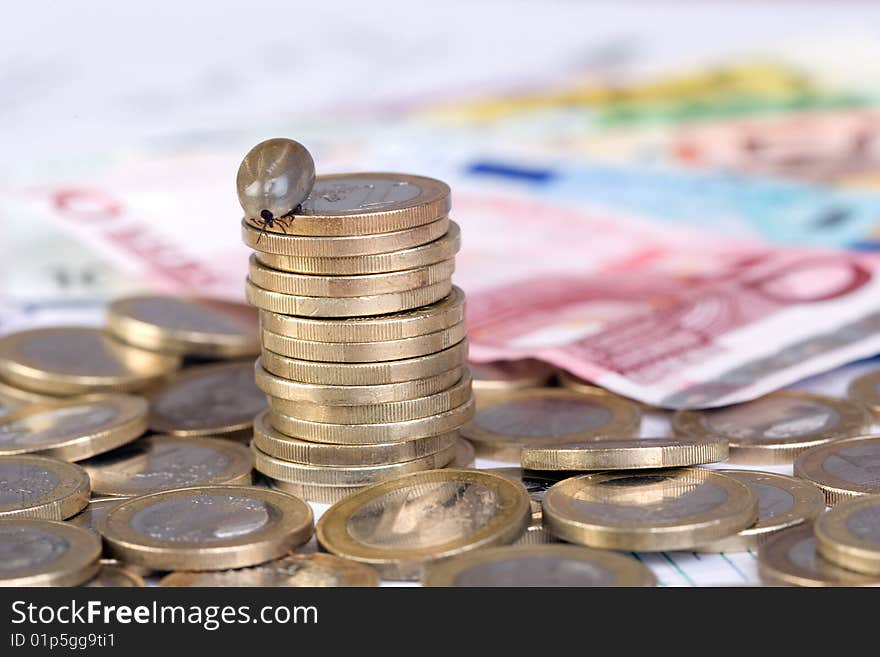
{"points": [[363, 334]]}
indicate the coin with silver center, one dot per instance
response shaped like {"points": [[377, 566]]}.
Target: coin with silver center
{"points": [[843, 469], [849, 535], [41, 487], [89, 517], [46, 553], [12, 398]]}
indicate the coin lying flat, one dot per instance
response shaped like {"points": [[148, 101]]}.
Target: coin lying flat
{"points": [[46, 553], [539, 565], [790, 557], [866, 390], [777, 427], [438, 250], [652, 510], [292, 570], [631, 454], [538, 417], [210, 400], [113, 575], [75, 360], [464, 454], [511, 374], [159, 462], [206, 527], [73, 430], [842, 469], [536, 484], [398, 526], [783, 502], [12, 398], [849, 535], [89, 517], [41, 487], [186, 326]]}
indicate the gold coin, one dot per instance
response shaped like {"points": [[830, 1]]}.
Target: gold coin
{"points": [[89, 517], [342, 246], [849, 535], [376, 304], [276, 444], [651, 510], [74, 360], [366, 203], [46, 553], [317, 493], [464, 454], [73, 430], [155, 463], [364, 352], [783, 502], [332, 475], [774, 429], [401, 525], [209, 400], [312, 285], [323, 432], [536, 484], [401, 411], [201, 327], [292, 570], [12, 398], [842, 469], [536, 417], [866, 390], [206, 527], [365, 374], [444, 314], [790, 557], [571, 382], [354, 395], [628, 454], [539, 565], [511, 374], [113, 575], [41, 487]]}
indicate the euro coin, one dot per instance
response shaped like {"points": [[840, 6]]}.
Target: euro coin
{"points": [[206, 528], [783, 502], [197, 326], [866, 390], [464, 454], [776, 428], [316, 492], [89, 517], [12, 398], [41, 487], [73, 430], [46, 553], [74, 360], [842, 469], [511, 374], [536, 484], [113, 575], [849, 535], [539, 566], [159, 462], [539, 417], [653, 510], [571, 382]]}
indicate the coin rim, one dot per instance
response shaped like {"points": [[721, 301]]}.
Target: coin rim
{"points": [[78, 564], [863, 390], [55, 505], [837, 544], [626, 454], [808, 465]]}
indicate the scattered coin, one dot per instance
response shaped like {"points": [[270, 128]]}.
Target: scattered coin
{"points": [[89, 517], [866, 390], [35, 552], [571, 382], [650, 511], [75, 360], [199, 327], [536, 484], [206, 528], [776, 428], [540, 565], [842, 469], [274, 178], [73, 430], [511, 374], [12, 398], [41, 487], [464, 454], [849, 535], [398, 526], [317, 492], [113, 575]]}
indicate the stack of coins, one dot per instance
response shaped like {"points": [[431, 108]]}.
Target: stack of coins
{"points": [[363, 335]]}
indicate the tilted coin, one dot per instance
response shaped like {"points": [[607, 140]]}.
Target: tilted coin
{"points": [[74, 430], [539, 565], [536, 484], [374, 304], [364, 352], [187, 326], [790, 557], [842, 469], [206, 527], [114, 575], [36, 552], [89, 517], [536, 417], [276, 444], [511, 374], [440, 249], [209, 400], [783, 502], [399, 526], [849, 535], [342, 246], [75, 360], [653, 510], [158, 462], [12, 398], [293, 570], [317, 492], [273, 179], [464, 454], [41, 487], [777, 427], [866, 390], [628, 454]]}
